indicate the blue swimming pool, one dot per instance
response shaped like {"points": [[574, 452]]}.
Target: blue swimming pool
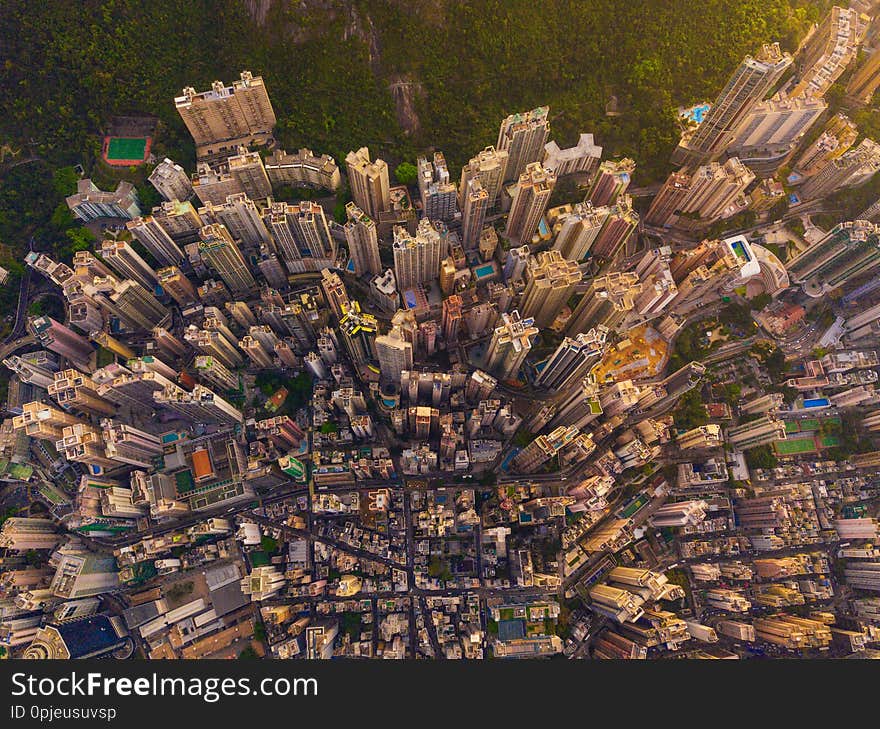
{"points": [[818, 402], [485, 270]]}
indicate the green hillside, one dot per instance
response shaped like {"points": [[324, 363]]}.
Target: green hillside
{"points": [[398, 75]]}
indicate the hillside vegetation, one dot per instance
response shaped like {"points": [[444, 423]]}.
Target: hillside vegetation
{"points": [[342, 73]]}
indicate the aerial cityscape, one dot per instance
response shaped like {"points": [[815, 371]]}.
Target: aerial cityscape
{"points": [[260, 401]]}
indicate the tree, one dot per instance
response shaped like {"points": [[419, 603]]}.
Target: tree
{"points": [[760, 301], [761, 457], [406, 173]]}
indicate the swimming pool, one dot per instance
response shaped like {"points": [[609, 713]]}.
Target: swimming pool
{"points": [[818, 402], [484, 271]]}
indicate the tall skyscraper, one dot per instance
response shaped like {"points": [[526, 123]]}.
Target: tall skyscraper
{"points": [[611, 181], [226, 116], [395, 354], [618, 226], [851, 169], [533, 190], [171, 181], [510, 344], [435, 189], [368, 182], [451, 318], [697, 200], [223, 256], [247, 168], [583, 158], [837, 137], [60, 339], [302, 235], [359, 329], [176, 285], [417, 258], [572, 359], [749, 84], [179, 219], [550, 281], [489, 168], [363, 241], [523, 137], [606, 302], [772, 131], [864, 82], [827, 51], [149, 233], [213, 184], [847, 250], [125, 261], [474, 204], [241, 217], [335, 293], [136, 307]]}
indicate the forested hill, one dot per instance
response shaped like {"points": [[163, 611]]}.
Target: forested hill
{"points": [[397, 75]]}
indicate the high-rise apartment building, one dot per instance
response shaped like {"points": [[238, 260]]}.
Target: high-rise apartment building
{"points": [[575, 227], [474, 205], [523, 137], [303, 169], [836, 138], [127, 264], [618, 225], [851, 169], [368, 182], [213, 184], [583, 158], [611, 181], [179, 219], [436, 191], [135, 306], [176, 285], [302, 235], [489, 167], [171, 181], [756, 432], [242, 219], [572, 359], [225, 117], [606, 302], [417, 258], [359, 330], [56, 337], [848, 250], [221, 253], [510, 344], [749, 84], [335, 293], [247, 168], [695, 200], [772, 131], [22, 534], [363, 241], [90, 203], [864, 82], [533, 190], [827, 50], [550, 281], [395, 354], [149, 233]]}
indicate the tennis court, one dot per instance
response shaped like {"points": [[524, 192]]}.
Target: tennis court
{"points": [[126, 151]]}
